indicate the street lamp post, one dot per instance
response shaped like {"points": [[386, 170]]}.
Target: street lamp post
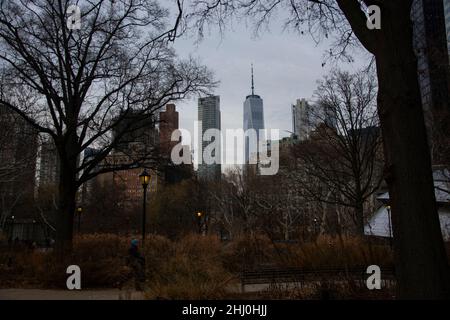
{"points": [[388, 208], [12, 227], [144, 178], [315, 227], [79, 211], [199, 220]]}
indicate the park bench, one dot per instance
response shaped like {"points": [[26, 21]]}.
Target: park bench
{"points": [[301, 275]]}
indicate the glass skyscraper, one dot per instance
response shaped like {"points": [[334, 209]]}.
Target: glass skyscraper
{"points": [[447, 23], [253, 119], [303, 121], [209, 115], [430, 21]]}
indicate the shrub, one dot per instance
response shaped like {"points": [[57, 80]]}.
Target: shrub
{"points": [[193, 271], [248, 252], [194, 267], [329, 251]]}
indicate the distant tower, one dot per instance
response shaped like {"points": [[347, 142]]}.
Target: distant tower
{"points": [[168, 124], [431, 45], [18, 157], [134, 132], [306, 118], [209, 115], [302, 119], [447, 23], [49, 170], [253, 119]]}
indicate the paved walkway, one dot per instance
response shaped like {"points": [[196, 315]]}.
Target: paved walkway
{"points": [[38, 294]]}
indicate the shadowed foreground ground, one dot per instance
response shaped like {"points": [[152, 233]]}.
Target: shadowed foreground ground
{"points": [[38, 294], [196, 267]]}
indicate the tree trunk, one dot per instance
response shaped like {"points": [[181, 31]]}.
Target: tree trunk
{"points": [[66, 210], [66, 197], [421, 263], [359, 212]]}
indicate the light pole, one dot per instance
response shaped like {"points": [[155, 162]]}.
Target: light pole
{"points": [[79, 211], [12, 227], [144, 178], [388, 208], [199, 220], [315, 228]]}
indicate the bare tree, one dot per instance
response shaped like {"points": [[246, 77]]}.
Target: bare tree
{"points": [[175, 207], [341, 163], [421, 261], [234, 198], [250, 204], [224, 198], [79, 85]]}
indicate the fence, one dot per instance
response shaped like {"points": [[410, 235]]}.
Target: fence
{"points": [[302, 276]]}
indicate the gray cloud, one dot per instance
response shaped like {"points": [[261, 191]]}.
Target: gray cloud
{"points": [[287, 66]]}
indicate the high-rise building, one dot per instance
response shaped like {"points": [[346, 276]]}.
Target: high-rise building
{"points": [[253, 119], [127, 178], [87, 188], [49, 167], [168, 122], [209, 115], [136, 131], [18, 155], [431, 46], [447, 23], [306, 118], [303, 119]]}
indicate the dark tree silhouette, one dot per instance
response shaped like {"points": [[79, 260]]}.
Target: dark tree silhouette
{"points": [[80, 85], [341, 162], [421, 262]]}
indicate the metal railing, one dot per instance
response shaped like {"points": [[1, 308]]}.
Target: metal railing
{"points": [[286, 275]]}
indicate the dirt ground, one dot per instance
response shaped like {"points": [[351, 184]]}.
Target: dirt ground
{"points": [[38, 294]]}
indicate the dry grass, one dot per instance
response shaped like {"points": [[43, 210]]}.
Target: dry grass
{"points": [[326, 251], [248, 252], [100, 257], [193, 270], [329, 251], [194, 267]]}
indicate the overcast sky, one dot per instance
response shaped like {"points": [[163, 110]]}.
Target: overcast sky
{"points": [[286, 67]]}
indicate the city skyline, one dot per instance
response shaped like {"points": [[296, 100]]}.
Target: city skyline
{"points": [[288, 66], [131, 167]]}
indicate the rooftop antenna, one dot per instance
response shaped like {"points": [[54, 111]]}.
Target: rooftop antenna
{"points": [[253, 86]]}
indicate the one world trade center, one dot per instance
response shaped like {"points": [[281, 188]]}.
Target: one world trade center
{"points": [[253, 119]]}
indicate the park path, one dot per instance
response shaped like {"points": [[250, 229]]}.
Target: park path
{"points": [[39, 294]]}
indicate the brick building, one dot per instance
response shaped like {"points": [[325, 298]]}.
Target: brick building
{"points": [[169, 122]]}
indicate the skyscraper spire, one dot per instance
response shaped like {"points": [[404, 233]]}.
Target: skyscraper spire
{"points": [[253, 86], [253, 119]]}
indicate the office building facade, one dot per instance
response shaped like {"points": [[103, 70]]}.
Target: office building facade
{"points": [[18, 156], [304, 120], [135, 133], [431, 47], [168, 123], [447, 23], [209, 116], [49, 167]]}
